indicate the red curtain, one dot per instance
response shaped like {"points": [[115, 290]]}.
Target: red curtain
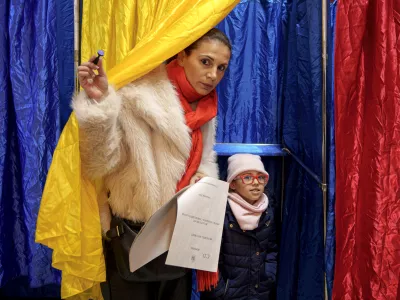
{"points": [[367, 117]]}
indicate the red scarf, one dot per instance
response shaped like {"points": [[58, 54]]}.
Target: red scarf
{"points": [[205, 111]]}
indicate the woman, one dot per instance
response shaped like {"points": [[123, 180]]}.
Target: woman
{"points": [[147, 141]]}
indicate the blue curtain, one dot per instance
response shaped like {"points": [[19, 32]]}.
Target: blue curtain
{"points": [[300, 274], [330, 236], [248, 103], [301, 265], [65, 57], [36, 72]]}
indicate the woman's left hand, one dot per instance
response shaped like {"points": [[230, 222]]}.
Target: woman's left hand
{"points": [[197, 177]]}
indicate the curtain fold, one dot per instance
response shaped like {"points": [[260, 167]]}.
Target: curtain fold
{"points": [[330, 233], [367, 106], [301, 263]]}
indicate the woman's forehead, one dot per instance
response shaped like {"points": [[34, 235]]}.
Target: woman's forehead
{"points": [[214, 49]]}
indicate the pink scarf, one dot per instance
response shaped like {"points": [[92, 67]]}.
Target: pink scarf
{"points": [[246, 214]]}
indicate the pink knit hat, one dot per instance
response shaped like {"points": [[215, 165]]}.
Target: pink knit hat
{"points": [[240, 163]]}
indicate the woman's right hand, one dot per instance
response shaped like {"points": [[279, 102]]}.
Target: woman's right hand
{"points": [[95, 85]]}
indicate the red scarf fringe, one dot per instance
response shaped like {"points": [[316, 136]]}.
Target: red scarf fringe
{"points": [[206, 280]]}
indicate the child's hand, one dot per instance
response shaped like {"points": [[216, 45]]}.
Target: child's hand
{"points": [[197, 177]]}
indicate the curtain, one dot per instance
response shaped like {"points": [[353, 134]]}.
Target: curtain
{"points": [[36, 72], [330, 233], [65, 56], [248, 96], [36, 51], [139, 35], [367, 106], [301, 264]]}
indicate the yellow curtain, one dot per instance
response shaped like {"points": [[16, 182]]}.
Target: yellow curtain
{"points": [[137, 36]]}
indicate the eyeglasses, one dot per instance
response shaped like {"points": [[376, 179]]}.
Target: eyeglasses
{"points": [[249, 179]]}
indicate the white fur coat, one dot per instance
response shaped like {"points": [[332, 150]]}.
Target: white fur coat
{"points": [[137, 140]]}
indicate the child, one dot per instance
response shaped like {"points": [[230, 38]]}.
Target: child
{"points": [[248, 258]]}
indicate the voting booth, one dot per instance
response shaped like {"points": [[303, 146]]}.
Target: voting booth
{"points": [[275, 101]]}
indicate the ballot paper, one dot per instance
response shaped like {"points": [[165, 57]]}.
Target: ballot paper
{"points": [[196, 239], [189, 226]]}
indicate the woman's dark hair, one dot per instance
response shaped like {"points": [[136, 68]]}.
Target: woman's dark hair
{"points": [[212, 35]]}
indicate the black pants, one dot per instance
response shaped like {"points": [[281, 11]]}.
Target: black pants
{"points": [[117, 288]]}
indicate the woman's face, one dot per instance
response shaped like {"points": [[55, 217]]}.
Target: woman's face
{"points": [[205, 66]]}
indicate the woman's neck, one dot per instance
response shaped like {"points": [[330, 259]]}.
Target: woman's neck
{"points": [[193, 105]]}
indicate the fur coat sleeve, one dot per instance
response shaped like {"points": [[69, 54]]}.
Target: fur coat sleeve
{"points": [[100, 135]]}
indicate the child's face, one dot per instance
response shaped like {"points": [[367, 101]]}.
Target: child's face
{"points": [[248, 185]]}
